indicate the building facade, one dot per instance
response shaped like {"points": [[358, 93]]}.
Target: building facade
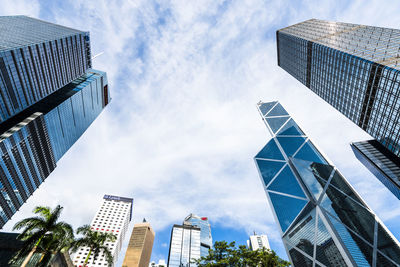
{"points": [[258, 242], [138, 253], [355, 68], [49, 96], [184, 247], [322, 220], [205, 232], [113, 216]]}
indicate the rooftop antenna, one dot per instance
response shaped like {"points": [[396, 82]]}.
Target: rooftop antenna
{"points": [[99, 54]]}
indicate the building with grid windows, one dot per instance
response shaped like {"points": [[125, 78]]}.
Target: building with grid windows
{"points": [[322, 220], [355, 68], [184, 246], [205, 232], [49, 96], [114, 216], [258, 242]]}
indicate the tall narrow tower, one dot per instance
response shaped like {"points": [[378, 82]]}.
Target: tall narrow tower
{"points": [[138, 253], [205, 232], [322, 220], [49, 95], [114, 216], [355, 68]]}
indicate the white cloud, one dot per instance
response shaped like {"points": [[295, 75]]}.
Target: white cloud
{"points": [[182, 128]]}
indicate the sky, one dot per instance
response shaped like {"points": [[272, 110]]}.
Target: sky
{"points": [[181, 131]]}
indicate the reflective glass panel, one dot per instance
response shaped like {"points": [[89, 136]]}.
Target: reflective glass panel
{"points": [[383, 261], [298, 259], [290, 128], [308, 152], [387, 246], [306, 172], [357, 218], [265, 107], [326, 250], [340, 183], [278, 110], [359, 250], [287, 183], [269, 169], [290, 144], [276, 123], [286, 208], [270, 151], [302, 234]]}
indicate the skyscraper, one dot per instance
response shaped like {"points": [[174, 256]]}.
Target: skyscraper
{"points": [[114, 216], [184, 246], [48, 97], [205, 232], [258, 242], [321, 218], [355, 68], [140, 245]]}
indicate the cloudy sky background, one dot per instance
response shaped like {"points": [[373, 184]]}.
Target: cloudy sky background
{"points": [[182, 129]]}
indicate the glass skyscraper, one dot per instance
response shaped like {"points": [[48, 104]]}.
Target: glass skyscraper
{"points": [[355, 68], [184, 246], [49, 96], [205, 232], [322, 220]]}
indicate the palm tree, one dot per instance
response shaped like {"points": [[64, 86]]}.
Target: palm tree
{"points": [[39, 230], [95, 241]]}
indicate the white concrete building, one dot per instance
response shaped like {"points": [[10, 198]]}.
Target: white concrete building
{"points": [[113, 216], [258, 242]]}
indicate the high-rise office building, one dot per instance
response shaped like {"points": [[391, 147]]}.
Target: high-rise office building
{"points": [[113, 216], [355, 68], [48, 97], [322, 220], [184, 246], [258, 242], [140, 245], [205, 232]]}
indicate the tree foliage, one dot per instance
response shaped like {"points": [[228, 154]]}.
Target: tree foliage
{"points": [[228, 255]]}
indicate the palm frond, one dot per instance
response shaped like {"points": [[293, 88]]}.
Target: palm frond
{"points": [[29, 222]]}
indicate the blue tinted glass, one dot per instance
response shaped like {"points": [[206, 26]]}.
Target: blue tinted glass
{"points": [[359, 250], [276, 123], [298, 258], [290, 144], [269, 169], [290, 128], [308, 152], [265, 107], [302, 234], [278, 110], [287, 183], [286, 208], [270, 151], [325, 247], [307, 173], [340, 183], [387, 246]]}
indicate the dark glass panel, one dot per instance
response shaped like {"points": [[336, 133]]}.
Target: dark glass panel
{"points": [[265, 107], [290, 144], [287, 183], [276, 123], [387, 246], [326, 250], [340, 183], [308, 152], [302, 235], [286, 208], [298, 259], [382, 261], [270, 151], [290, 128], [269, 169], [306, 172], [350, 213], [359, 250], [278, 110]]}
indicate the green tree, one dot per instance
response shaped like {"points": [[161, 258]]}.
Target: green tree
{"points": [[38, 231], [228, 255], [95, 242]]}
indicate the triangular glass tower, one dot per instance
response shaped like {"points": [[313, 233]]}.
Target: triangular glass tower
{"points": [[323, 221]]}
